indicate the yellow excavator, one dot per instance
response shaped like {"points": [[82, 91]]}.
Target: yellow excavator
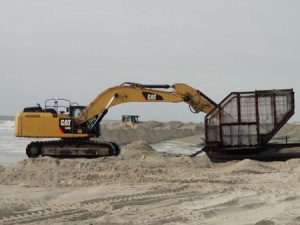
{"points": [[75, 125]]}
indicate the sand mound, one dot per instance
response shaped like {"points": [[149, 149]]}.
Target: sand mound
{"points": [[289, 132], [202, 161], [265, 222], [136, 149], [151, 131], [137, 163], [248, 166], [292, 164]]}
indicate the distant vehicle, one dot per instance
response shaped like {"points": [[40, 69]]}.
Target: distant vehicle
{"points": [[130, 120]]}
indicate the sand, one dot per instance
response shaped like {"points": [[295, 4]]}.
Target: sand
{"points": [[150, 131], [142, 186]]}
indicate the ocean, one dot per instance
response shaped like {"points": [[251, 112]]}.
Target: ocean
{"points": [[12, 149]]}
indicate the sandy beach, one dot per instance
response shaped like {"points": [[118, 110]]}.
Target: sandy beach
{"points": [[143, 186]]}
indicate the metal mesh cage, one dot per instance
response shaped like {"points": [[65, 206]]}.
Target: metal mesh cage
{"points": [[249, 118]]}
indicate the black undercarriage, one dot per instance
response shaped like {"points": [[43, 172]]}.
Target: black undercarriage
{"points": [[72, 148]]}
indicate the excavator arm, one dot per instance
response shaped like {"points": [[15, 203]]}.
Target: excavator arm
{"points": [[133, 92]]}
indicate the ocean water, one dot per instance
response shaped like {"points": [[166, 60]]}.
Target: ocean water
{"points": [[12, 149], [176, 147]]}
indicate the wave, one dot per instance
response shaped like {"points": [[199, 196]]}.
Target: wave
{"points": [[7, 124]]}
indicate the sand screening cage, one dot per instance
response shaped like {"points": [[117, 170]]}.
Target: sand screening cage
{"points": [[246, 120]]}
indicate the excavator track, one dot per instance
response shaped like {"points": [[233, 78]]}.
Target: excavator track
{"points": [[67, 148]]}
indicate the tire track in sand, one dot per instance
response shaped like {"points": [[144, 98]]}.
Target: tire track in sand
{"points": [[22, 210]]}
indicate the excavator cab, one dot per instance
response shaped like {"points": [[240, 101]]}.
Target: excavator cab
{"points": [[54, 106], [59, 105]]}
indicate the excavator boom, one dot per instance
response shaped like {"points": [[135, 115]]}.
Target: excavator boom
{"points": [[133, 92]]}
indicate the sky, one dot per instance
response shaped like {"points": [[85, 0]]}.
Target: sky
{"points": [[76, 49]]}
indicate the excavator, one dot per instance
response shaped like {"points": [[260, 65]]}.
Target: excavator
{"points": [[130, 120], [73, 126]]}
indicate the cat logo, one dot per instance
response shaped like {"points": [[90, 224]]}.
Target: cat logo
{"points": [[152, 97], [65, 126], [65, 122]]}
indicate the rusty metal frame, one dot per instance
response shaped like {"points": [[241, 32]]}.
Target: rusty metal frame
{"points": [[262, 139]]}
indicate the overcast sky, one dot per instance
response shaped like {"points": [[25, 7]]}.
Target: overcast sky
{"points": [[77, 48]]}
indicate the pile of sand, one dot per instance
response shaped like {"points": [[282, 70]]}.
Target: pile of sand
{"points": [[150, 131], [289, 132], [137, 163], [248, 166]]}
